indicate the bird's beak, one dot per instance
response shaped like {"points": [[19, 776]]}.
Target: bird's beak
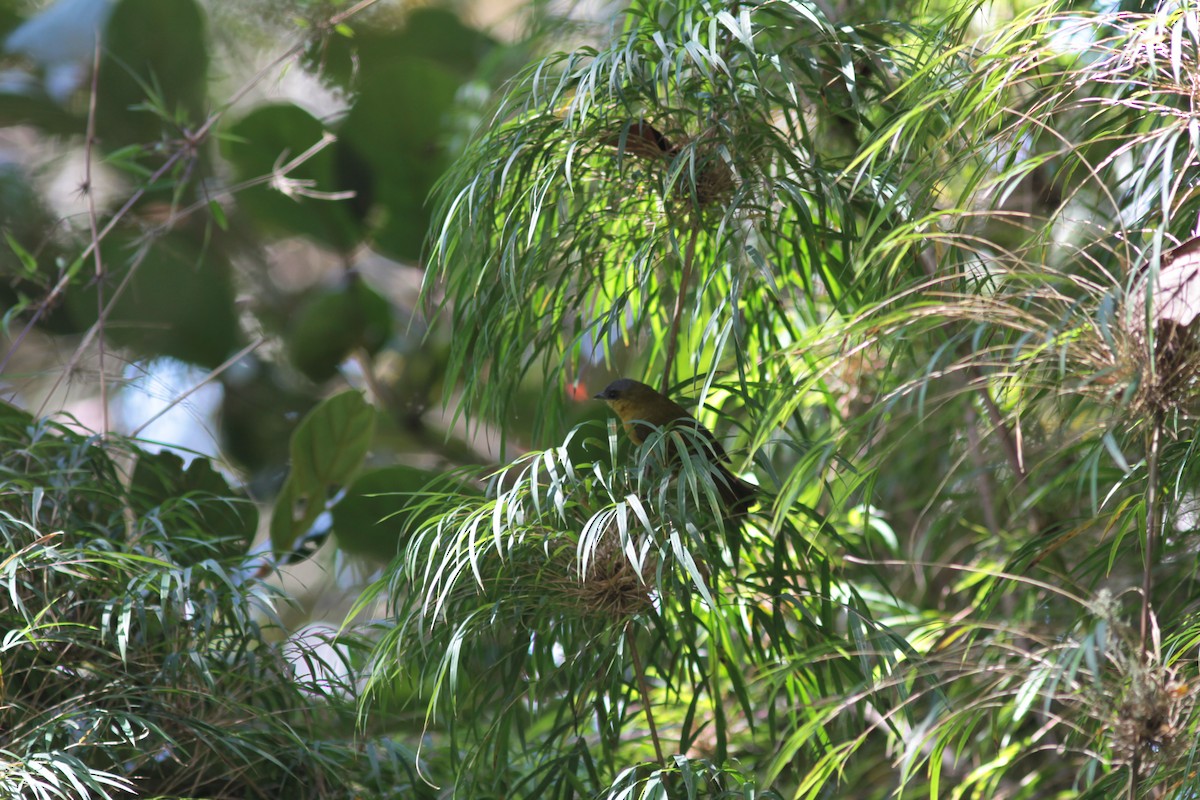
{"points": [[598, 396]]}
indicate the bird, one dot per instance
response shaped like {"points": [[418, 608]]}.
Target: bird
{"points": [[642, 409]]}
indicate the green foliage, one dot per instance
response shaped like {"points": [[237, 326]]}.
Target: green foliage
{"points": [[221, 530], [259, 144], [386, 163], [327, 449], [136, 656], [335, 324], [928, 285], [732, 210], [925, 272], [562, 589], [182, 224]]}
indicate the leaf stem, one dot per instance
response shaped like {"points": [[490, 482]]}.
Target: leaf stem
{"points": [[90, 192], [1153, 517], [644, 688], [689, 256], [1152, 523]]}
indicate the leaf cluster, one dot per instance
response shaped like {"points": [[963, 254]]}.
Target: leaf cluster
{"points": [[137, 653], [928, 300]]}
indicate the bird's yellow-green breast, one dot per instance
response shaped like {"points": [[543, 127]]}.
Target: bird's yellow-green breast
{"points": [[636, 403]]}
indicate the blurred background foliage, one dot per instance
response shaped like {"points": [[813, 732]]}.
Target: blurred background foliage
{"points": [[303, 490]]}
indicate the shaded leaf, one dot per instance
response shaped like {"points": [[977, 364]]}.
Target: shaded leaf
{"points": [[204, 506], [153, 78], [384, 506], [403, 155], [178, 303], [332, 324], [327, 449]]}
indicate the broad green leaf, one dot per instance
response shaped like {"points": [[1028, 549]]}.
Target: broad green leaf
{"points": [[40, 112], [327, 449], [199, 498], [333, 323], [427, 32], [154, 77], [179, 301], [400, 163], [384, 506]]}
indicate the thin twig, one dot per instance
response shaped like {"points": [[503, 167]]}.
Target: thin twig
{"points": [[380, 393], [645, 690], [92, 245], [89, 191], [97, 327], [673, 338], [1149, 558], [277, 178]]}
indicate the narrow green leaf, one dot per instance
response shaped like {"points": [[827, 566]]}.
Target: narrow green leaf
{"points": [[28, 262]]}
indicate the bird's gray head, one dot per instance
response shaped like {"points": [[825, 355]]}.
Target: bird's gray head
{"points": [[620, 388]]}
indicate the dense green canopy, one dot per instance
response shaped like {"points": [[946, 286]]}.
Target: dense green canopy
{"points": [[928, 274]]}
